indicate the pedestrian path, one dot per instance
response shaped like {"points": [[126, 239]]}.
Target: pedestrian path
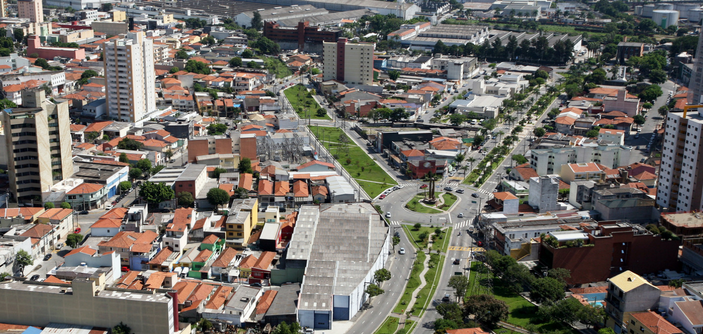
{"points": [[462, 224]]}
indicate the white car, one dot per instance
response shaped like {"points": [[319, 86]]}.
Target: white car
{"points": [[388, 215], [401, 251]]}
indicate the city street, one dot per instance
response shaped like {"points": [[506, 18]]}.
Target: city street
{"points": [[653, 119]]}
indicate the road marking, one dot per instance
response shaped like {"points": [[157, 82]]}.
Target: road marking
{"points": [[466, 249], [395, 222], [463, 224]]}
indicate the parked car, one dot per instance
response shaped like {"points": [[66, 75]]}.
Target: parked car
{"points": [[382, 196], [125, 269], [480, 244], [474, 195], [34, 278], [460, 191], [77, 230], [448, 188], [461, 215], [47, 257], [401, 251], [388, 215], [445, 298], [423, 186], [84, 212]]}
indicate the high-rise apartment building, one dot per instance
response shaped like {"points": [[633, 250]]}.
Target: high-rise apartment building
{"points": [[31, 9], [680, 184], [36, 141], [130, 77], [695, 90], [348, 62]]}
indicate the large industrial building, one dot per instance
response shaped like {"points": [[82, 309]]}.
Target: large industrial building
{"points": [[403, 10], [336, 273]]}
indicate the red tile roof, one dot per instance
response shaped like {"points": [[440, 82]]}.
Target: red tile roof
{"points": [[265, 260], [281, 188], [265, 301], [300, 189], [315, 162], [225, 258], [84, 250], [85, 188], [656, 323]]}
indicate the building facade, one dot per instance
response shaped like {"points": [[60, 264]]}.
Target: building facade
{"points": [[695, 91], [37, 145], [549, 160], [348, 62], [130, 77], [32, 10], [680, 185]]}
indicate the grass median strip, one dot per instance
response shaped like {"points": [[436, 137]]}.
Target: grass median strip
{"points": [[409, 326], [389, 326], [304, 105], [431, 277], [355, 161], [414, 205], [449, 200]]}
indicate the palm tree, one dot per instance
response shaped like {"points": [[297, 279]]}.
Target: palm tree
{"points": [[431, 178], [510, 119], [471, 161], [500, 134]]}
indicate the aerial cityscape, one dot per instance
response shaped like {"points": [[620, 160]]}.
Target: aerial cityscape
{"points": [[351, 167]]}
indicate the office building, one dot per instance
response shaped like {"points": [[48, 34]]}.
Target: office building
{"points": [[37, 145], [680, 185], [32, 10], [348, 62], [130, 77]]}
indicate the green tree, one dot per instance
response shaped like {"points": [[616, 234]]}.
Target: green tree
{"points": [[124, 158], [393, 75], [209, 40], [382, 275], [519, 159], [174, 70], [181, 54], [73, 240], [546, 289], [65, 205], [256, 21], [195, 66], [216, 173], [241, 193], [129, 144], [253, 64], [144, 164], [539, 132], [216, 129], [486, 309], [23, 258], [396, 241], [647, 105], [121, 328], [663, 110], [217, 197], [639, 119], [157, 169], [135, 173], [284, 328], [457, 119], [398, 114], [125, 186], [245, 166], [235, 62], [651, 93], [560, 274], [606, 330], [41, 62], [155, 193], [373, 290], [247, 54], [417, 226], [49, 205], [657, 76], [19, 35], [185, 199], [592, 133], [460, 283]]}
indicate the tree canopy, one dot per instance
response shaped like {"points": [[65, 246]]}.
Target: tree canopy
{"points": [[195, 66], [217, 197], [155, 193]]}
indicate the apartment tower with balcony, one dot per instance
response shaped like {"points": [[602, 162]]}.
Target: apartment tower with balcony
{"points": [[350, 63], [680, 185], [35, 145], [130, 77]]}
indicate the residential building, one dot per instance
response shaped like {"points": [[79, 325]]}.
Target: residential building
{"points": [[46, 52], [348, 62], [622, 102], [88, 257], [37, 145], [61, 219], [519, 238], [695, 91], [486, 106], [629, 49], [93, 304], [683, 224], [581, 172], [628, 293], [595, 253], [550, 160], [611, 136], [31, 10], [130, 77], [87, 196], [243, 217], [649, 322], [544, 191], [680, 184], [135, 249], [192, 180]]}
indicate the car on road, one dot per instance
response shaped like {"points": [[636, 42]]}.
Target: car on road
{"points": [[396, 234], [448, 188], [401, 251], [474, 195], [382, 196], [125, 269], [388, 214], [457, 261], [77, 230], [84, 212], [480, 244], [47, 257], [460, 191], [34, 278], [461, 215], [445, 298], [255, 284], [423, 186]]}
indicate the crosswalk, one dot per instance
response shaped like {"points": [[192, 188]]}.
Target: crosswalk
{"points": [[486, 194], [395, 222], [466, 249], [462, 224]]}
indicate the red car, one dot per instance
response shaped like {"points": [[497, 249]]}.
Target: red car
{"points": [[382, 197], [125, 268], [423, 186], [480, 244], [78, 230]]}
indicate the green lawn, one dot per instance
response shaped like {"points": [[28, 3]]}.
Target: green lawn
{"points": [[302, 102], [435, 265], [413, 282], [414, 205], [354, 160], [277, 67], [442, 242], [449, 200], [389, 326], [408, 327]]}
